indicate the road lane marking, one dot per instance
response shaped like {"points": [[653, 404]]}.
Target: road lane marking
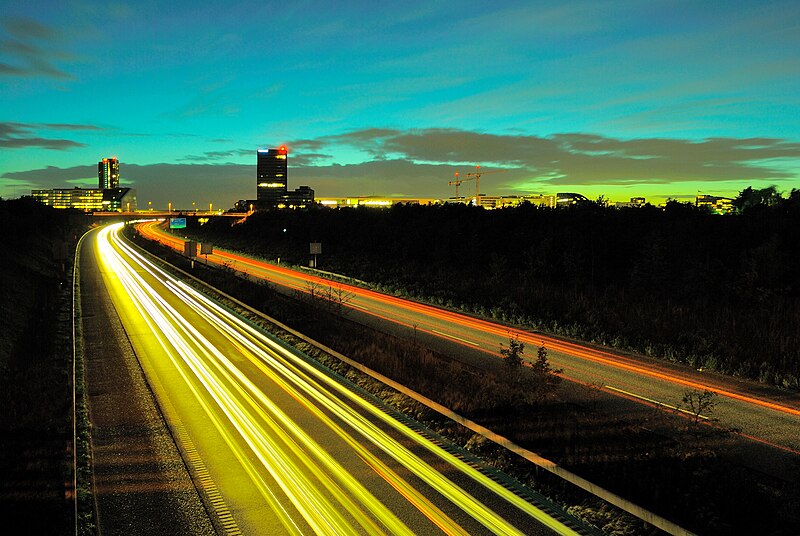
{"points": [[454, 337], [656, 402]]}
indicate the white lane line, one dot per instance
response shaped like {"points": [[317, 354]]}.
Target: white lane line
{"points": [[358, 306], [656, 402], [454, 337]]}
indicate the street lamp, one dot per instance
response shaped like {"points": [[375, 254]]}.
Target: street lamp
{"points": [[193, 207], [170, 206], [150, 206]]}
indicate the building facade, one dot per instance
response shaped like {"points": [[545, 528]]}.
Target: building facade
{"points": [[108, 173], [271, 176], [715, 204], [88, 199]]}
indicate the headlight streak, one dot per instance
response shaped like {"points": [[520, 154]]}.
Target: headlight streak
{"points": [[427, 508], [303, 376], [414, 496], [323, 516], [296, 376], [111, 258]]}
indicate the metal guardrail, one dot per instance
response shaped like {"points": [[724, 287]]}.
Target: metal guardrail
{"points": [[550, 466]]}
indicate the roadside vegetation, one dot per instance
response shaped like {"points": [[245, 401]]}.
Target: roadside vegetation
{"points": [[35, 367], [716, 292], [673, 465]]}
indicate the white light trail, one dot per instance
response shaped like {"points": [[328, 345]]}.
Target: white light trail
{"points": [[321, 491]]}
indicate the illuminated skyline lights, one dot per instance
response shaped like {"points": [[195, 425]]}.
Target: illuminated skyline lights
{"points": [[108, 173]]}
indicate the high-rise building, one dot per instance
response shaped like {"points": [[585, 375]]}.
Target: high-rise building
{"points": [[108, 173], [271, 172]]}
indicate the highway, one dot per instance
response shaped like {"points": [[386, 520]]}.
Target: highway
{"points": [[280, 445], [765, 414]]}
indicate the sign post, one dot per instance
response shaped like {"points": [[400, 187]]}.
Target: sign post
{"points": [[315, 248], [190, 250], [206, 249]]}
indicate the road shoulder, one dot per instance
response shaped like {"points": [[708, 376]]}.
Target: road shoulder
{"points": [[141, 483]]}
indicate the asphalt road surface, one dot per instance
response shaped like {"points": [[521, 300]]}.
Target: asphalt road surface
{"points": [[279, 444]]}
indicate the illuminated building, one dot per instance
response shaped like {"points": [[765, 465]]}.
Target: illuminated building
{"points": [[635, 202], [108, 173], [108, 197], [373, 201], [714, 204], [88, 199], [271, 176], [119, 200], [564, 199]]}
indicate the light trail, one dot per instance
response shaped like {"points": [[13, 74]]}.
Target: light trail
{"points": [[322, 494], [298, 280]]}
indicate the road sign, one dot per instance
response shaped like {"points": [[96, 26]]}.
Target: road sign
{"points": [[190, 248], [206, 248], [177, 223], [316, 248]]}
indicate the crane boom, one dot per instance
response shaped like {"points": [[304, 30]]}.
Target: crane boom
{"points": [[477, 176]]}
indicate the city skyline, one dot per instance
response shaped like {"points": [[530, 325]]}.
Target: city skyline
{"points": [[620, 99]]}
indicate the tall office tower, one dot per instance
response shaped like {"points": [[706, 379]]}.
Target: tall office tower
{"points": [[272, 166], [108, 173]]}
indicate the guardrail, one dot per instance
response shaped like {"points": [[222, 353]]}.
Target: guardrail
{"points": [[550, 466]]}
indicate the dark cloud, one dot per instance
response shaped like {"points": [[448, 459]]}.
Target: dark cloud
{"points": [[420, 163], [209, 156], [67, 126], [582, 158], [19, 135], [10, 70], [26, 58], [303, 145], [28, 28], [308, 159]]}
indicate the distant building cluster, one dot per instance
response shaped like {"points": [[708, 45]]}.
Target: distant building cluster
{"points": [[272, 170], [635, 202], [107, 197], [715, 204], [486, 201]]}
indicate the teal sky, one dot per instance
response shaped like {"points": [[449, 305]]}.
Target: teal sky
{"points": [[620, 98]]}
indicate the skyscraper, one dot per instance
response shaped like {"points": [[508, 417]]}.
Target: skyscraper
{"points": [[271, 171], [108, 173]]}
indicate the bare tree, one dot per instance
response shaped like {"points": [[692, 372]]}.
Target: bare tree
{"points": [[338, 299], [698, 404]]}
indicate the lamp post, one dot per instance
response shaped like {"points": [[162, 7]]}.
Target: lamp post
{"points": [[194, 209], [150, 206], [170, 207]]}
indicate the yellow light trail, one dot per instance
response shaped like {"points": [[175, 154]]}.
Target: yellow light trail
{"points": [[321, 491]]}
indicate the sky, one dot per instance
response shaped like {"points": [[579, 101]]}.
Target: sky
{"points": [[613, 98]]}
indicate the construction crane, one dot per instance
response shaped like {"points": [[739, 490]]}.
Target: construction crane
{"points": [[457, 182], [477, 176]]}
